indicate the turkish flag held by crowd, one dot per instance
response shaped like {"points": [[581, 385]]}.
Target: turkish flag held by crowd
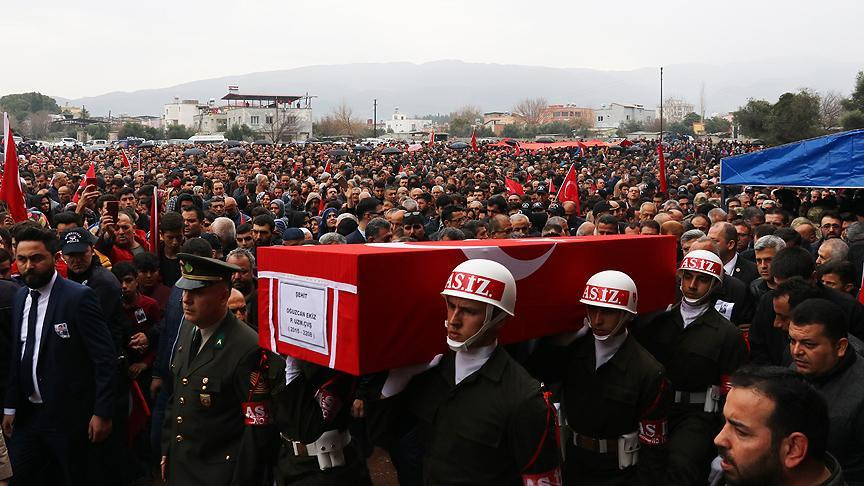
{"points": [[569, 190], [11, 191], [514, 187]]}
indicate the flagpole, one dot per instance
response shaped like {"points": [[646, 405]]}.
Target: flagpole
{"points": [[661, 104]]}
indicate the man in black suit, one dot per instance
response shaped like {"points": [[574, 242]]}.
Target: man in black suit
{"points": [[61, 379], [726, 238], [367, 209]]}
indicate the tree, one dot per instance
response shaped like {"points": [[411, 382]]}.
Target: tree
{"points": [[84, 113], [854, 102], [138, 130], [239, 132], [530, 110], [794, 117], [463, 120], [178, 132], [283, 126], [98, 131], [629, 127], [854, 105], [853, 119], [39, 124], [830, 109], [753, 118], [717, 125], [512, 131], [22, 104]]}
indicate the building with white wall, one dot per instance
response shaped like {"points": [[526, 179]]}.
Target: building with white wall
{"points": [[181, 112], [614, 115], [399, 123]]}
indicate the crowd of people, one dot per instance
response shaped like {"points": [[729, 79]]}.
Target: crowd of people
{"points": [[129, 309]]}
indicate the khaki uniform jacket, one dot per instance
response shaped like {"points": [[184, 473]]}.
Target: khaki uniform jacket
{"points": [[205, 435]]}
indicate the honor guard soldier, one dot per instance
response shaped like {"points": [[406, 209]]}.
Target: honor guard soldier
{"points": [[615, 394], [700, 350], [311, 410], [481, 418], [217, 425]]}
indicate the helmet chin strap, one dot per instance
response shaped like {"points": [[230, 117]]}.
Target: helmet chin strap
{"points": [[704, 298], [490, 322], [621, 321]]}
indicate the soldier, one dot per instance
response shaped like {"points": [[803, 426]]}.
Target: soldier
{"points": [[217, 422], [700, 350], [481, 418], [311, 409], [615, 394]]}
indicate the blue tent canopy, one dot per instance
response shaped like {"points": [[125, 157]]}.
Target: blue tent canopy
{"points": [[835, 160]]}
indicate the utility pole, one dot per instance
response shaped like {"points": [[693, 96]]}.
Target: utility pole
{"points": [[375, 118]]}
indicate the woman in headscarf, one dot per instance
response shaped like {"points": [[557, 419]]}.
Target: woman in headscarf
{"points": [[328, 221]]}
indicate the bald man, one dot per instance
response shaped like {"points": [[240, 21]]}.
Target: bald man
{"points": [[237, 305]]}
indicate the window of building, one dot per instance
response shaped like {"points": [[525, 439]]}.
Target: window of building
{"points": [[254, 120], [268, 119]]}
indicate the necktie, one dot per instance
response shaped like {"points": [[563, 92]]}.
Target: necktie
{"points": [[26, 377], [196, 344]]}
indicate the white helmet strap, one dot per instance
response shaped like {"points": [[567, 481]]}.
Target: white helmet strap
{"points": [[704, 298], [490, 322], [625, 316]]}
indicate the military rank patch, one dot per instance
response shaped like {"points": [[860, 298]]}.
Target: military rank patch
{"points": [[259, 383]]}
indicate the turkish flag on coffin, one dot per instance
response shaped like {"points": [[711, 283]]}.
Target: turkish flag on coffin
{"points": [[367, 308]]}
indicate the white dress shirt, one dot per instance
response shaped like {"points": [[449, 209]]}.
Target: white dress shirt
{"points": [[729, 268], [42, 307]]}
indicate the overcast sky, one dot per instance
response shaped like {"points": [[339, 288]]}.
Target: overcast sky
{"points": [[90, 47]]}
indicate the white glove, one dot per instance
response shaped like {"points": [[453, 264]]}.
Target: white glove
{"points": [[399, 378], [292, 369]]}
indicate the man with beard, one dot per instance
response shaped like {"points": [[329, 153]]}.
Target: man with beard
{"points": [[61, 384], [84, 268], [776, 432], [245, 280]]}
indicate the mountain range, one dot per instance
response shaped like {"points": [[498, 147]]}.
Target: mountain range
{"points": [[443, 86]]}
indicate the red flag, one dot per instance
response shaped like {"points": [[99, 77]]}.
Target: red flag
{"points": [[663, 188], [296, 167], [400, 169], [569, 190], [125, 159], [328, 168], [527, 176], [581, 150], [518, 150], [514, 186], [139, 412], [432, 138], [321, 206], [154, 222], [91, 174], [551, 186], [861, 290], [474, 140], [11, 191]]}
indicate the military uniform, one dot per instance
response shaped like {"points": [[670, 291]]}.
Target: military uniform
{"points": [[217, 428], [493, 428], [696, 358], [316, 401], [627, 394]]}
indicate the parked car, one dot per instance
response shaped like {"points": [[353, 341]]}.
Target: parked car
{"points": [[67, 142]]}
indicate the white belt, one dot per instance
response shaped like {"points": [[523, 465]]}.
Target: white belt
{"points": [[690, 397]]}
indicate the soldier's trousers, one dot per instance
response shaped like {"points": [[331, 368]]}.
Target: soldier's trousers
{"points": [[691, 447]]}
